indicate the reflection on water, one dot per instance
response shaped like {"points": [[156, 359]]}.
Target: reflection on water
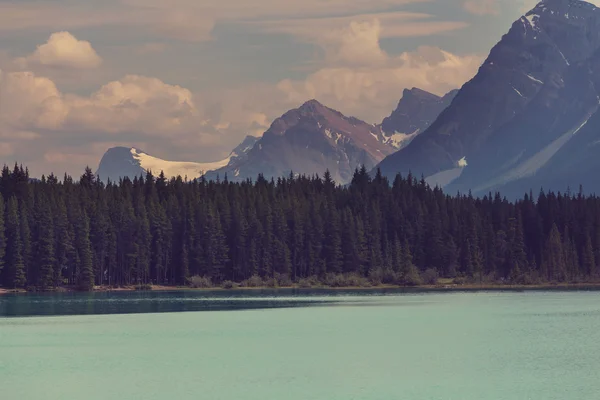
{"points": [[133, 302], [184, 300]]}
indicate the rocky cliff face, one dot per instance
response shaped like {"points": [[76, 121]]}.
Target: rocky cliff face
{"points": [[310, 140], [531, 96], [416, 110]]}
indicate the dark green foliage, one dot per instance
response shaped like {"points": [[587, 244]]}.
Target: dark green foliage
{"points": [[303, 231], [85, 255], [2, 235]]}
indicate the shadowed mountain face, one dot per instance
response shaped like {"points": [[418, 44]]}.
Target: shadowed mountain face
{"points": [[416, 110], [314, 138], [118, 162], [310, 140], [533, 95]]}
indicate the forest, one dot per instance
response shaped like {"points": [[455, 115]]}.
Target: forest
{"points": [[57, 233]]}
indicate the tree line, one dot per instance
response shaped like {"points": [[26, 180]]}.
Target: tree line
{"points": [[154, 230]]}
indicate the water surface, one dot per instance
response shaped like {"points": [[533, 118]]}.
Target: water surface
{"points": [[329, 346]]}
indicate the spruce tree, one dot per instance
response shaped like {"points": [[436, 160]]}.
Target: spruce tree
{"points": [[2, 236], [85, 276], [15, 268], [44, 248]]}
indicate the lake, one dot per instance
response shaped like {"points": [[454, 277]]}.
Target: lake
{"points": [[321, 345]]}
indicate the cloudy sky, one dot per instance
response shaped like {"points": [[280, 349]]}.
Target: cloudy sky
{"points": [[188, 79]]}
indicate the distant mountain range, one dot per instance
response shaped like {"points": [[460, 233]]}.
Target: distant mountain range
{"points": [[120, 162], [307, 140], [529, 119]]}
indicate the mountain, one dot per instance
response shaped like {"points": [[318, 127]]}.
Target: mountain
{"points": [[119, 162], [306, 140], [575, 165], [534, 93], [416, 110], [310, 140]]}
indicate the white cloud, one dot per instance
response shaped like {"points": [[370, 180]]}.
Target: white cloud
{"points": [[358, 44], [30, 102], [134, 110], [63, 50], [132, 104], [366, 82]]}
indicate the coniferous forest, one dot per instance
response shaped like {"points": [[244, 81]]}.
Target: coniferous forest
{"points": [[302, 230]]}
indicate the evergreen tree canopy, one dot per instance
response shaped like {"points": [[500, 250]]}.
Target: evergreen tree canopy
{"points": [[152, 230]]}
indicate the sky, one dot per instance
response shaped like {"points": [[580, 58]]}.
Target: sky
{"points": [[188, 80]]}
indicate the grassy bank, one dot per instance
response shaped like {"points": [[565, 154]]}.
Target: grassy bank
{"points": [[439, 287]]}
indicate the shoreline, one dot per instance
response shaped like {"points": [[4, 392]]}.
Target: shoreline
{"points": [[422, 288]]}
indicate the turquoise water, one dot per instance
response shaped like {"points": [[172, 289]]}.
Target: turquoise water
{"points": [[350, 346]]}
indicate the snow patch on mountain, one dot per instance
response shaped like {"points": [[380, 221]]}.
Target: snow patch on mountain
{"points": [[534, 79], [533, 19], [121, 162], [399, 139], [175, 168]]}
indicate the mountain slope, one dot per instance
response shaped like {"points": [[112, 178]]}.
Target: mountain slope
{"points": [[309, 140], [416, 110], [306, 140], [576, 164], [120, 162], [531, 95]]}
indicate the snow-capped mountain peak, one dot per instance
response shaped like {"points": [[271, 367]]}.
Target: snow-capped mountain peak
{"points": [[120, 162]]}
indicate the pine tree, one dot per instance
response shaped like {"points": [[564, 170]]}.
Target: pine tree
{"points": [[588, 258], [15, 267], [332, 245], [85, 276], [160, 230], [554, 259], [44, 247], [409, 273], [25, 239], [2, 236]]}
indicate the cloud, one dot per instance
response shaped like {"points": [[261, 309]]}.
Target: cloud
{"points": [[50, 130], [188, 20], [392, 24], [363, 80], [27, 16], [357, 44], [191, 20], [63, 50], [133, 104], [132, 109], [482, 7], [29, 102]]}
